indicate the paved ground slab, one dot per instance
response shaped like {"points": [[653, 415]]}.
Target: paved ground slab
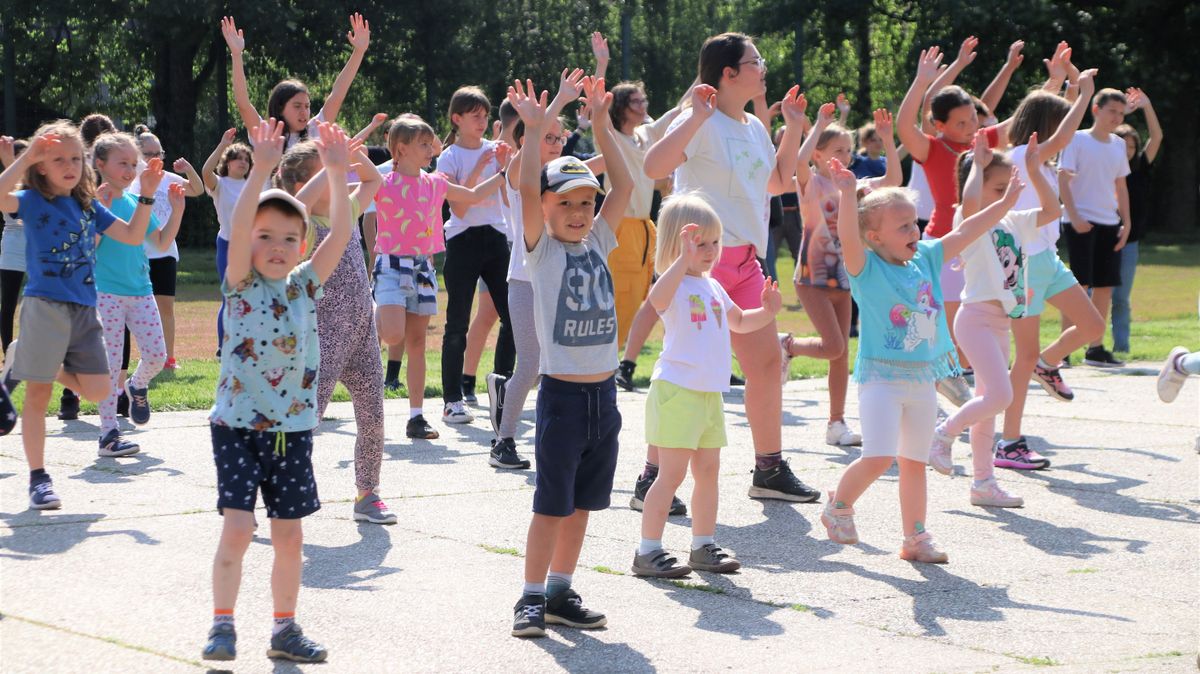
{"points": [[1097, 573]]}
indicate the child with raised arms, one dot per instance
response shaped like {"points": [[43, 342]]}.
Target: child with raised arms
{"points": [[59, 307], [224, 175], [685, 415], [904, 347], [577, 417], [265, 407]]}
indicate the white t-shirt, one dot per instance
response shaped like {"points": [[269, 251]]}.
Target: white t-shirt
{"points": [[729, 163], [225, 197], [161, 210], [1047, 237], [293, 137], [920, 184], [457, 162], [633, 151], [696, 348], [1096, 165], [516, 235], [995, 266]]}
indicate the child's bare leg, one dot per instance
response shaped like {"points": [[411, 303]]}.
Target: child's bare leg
{"points": [[1082, 324], [389, 321], [93, 387], [540, 545], [858, 476], [287, 538], [236, 535], [706, 464], [33, 423], [912, 495], [671, 471], [569, 543], [1025, 338], [415, 329]]}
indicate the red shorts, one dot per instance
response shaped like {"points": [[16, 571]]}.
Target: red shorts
{"points": [[741, 276]]}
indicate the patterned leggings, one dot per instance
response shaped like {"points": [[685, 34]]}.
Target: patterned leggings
{"points": [[140, 314], [350, 354]]}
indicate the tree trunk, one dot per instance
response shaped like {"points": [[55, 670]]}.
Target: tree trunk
{"points": [[862, 39]]}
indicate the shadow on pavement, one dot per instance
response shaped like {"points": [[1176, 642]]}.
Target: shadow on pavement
{"points": [[29, 539], [582, 651], [1050, 538]]}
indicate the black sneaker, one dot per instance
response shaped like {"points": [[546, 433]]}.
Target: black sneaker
{"points": [[222, 643], [420, 429], [780, 483], [468, 390], [567, 608], [291, 644], [1098, 356], [495, 391], [112, 444], [624, 376], [8, 413], [68, 406], [529, 616], [122, 405], [735, 380], [42, 496], [504, 455], [642, 486], [139, 403]]}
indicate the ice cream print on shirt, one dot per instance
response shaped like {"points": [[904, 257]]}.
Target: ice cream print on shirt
{"points": [[1012, 261], [913, 325], [585, 314], [698, 313]]}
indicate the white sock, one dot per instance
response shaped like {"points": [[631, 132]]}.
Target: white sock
{"points": [[649, 545], [534, 588], [1043, 364], [282, 623], [414, 412], [701, 541]]}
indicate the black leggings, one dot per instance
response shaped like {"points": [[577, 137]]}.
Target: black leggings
{"points": [[10, 294]]}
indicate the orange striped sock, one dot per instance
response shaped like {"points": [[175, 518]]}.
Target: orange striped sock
{"points": [[222, 615], [283, 621]]}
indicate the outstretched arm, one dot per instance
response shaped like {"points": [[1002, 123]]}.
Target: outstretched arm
{"points": [[334, 150], [788, 153], [853, 250], [894, 175], [1034, 155], [532, 110], [600, 51], [995, 91], [619, 178], [1067, 127], [195, 183], [241, 92], [908, 126], [359, 37], [267, 140], [209, 172], [163, 237], [975, 226], [1138, 100], [667, 154]]}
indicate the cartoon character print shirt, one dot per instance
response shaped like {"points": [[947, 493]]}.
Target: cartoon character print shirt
{"points": [[60, 248], [904, 336], [270, 354], [696, 346], [995, 263], [574, 306]]}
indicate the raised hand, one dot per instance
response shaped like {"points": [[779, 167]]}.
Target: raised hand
{"points": [[151, 176], [704, 100], [772, 299], [966, 51], [570, 85], [503, 153], [883, 124], [930, 64], [227, 137], [8, 151], [843, 105], [598, 99], [233, 35], [1015, 57], [105, 194], [176, 197], [485, 157], [793, 105], [1087, 82], [689, 239], [333, 147], [359, 34], [1033, 154], [42, 146], [1013, 191], [825, 114], [981, 152], [531, 110], [182, 165], [267, 139], [842, 178], [600, 47], [1135, 99]]}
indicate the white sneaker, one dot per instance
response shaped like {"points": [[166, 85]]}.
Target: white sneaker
{"points": [[1170, 379], [839, 434], [940, 458], [955, 389], [457, 413], [990, 493], [785, 339]]}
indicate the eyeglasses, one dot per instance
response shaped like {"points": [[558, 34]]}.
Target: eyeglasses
{"points": [[760, 62], [552, 139], [153, 155], [637, 101]]}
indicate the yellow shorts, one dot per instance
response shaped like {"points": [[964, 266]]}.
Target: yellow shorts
{"points": [[681, 418]]}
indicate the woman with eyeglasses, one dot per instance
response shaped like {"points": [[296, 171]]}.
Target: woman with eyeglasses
{"points": [[164, 265], [717, 149]]}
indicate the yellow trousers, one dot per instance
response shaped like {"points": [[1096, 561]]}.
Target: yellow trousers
{"points": [[632, 267]]}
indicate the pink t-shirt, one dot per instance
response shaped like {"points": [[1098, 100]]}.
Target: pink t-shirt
{"points": [[410, 214]]}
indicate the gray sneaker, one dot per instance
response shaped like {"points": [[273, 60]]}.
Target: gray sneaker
{"points": [[222, 643], [372, 509], [711, 557], [955, 389], [658, 564]]}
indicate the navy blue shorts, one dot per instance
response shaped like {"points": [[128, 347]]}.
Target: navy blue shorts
{"points": [[575, 446], [280, 464]]}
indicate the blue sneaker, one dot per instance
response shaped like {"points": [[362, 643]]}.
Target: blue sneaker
{"points": [[291, 644], [112, 444], [42, 496], [139, 404], [222, 643]]}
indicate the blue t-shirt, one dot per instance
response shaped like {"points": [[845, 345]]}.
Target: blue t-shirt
{"points": [[903, 335], [271, 352], [122, 269], [60, 246], [862, 166]]}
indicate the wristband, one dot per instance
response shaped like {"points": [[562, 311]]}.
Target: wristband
{"points": [[149, 201]]}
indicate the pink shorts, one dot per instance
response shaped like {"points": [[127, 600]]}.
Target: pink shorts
{"points": [[740, 275]]}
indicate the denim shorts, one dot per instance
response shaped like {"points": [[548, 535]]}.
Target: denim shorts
{"points": [[280, 464], [409, 281], [575, 446]]}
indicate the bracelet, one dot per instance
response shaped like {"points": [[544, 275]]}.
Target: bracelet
{"points": [[149, 201]]}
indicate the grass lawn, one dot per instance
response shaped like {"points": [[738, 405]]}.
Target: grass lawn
{"points": [[1164, 315]]}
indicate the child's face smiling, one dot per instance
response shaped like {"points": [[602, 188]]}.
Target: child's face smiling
{"points": [[837, 148], [569, 215], [276, 243], [894, 234], [119, 168], [63, 167]]}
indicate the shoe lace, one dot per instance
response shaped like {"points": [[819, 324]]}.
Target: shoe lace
{"points": [[532, 611], [380, 505], [138, 399], [43, 488]]}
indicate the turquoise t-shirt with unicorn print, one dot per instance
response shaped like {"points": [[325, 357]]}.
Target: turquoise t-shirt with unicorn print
{"points": [[904, 336]]}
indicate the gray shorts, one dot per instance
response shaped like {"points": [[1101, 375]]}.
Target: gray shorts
{"points": [[58, 334]]}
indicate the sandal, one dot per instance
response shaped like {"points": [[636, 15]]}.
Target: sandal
{"points": [[658, 564]]}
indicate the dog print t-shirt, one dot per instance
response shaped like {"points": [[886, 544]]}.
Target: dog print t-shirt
{"points": [[270, 354], [60, 246], [904, 336], [696, 346], [995, 264], [574, 306]]}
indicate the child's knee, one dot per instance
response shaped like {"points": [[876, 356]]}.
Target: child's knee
{"points": [[94, 388], [287, 536]]}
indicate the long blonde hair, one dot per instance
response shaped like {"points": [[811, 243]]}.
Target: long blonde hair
{"points": [[679, 210]]}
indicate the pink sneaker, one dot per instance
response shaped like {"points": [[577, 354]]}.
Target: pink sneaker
{"points": [[1053, 382], [171, 364], [839, 523], [990, 493], [1018, 456], [920, 548], [785, 345], [940, 458]]}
